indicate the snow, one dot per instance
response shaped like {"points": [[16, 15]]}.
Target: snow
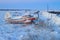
{"points": [[27, 13], [52, 17], [46, 14], [31, 31], [57, 20]]}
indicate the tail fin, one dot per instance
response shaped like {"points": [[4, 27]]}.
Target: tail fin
{"points": [[7, 15]]}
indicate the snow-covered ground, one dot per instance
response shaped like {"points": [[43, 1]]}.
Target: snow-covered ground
{"points": [[48, 30], [53, 17]]}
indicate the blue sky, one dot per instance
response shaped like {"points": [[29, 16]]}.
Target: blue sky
{"points": [[31, 4]]}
